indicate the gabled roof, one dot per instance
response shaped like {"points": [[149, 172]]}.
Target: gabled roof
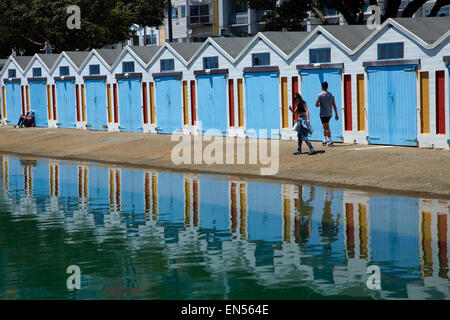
{"points": [[22, 61], [109, 55], [186, 50], [145, 53], [48, 59], [427, 29], [349, 35], [77, 57], [232, 46], [285, 41]]}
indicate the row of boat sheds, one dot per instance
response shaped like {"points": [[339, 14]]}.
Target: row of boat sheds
{"points": [[390, 85]]}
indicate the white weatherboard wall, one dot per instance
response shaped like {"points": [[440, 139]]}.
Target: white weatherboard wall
{"points": [[45, 73], [94, 58], [10, 64], [260, 46], [430, 60], [224, 63], [117, 68], [63, 61], [179, 66]]}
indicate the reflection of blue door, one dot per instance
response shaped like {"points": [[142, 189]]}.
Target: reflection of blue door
{"points": [[41, 174], [16, 178], [96, 104], [264, 212], [38, 102], [98, 188], [171, 198], [13, 102], [394, 225], [132, 196], [67, 113], [214, 207], [68, 187], [168, 104], [130, 105], [311, 87], [392, 105], [212, 103], [262, 104]]}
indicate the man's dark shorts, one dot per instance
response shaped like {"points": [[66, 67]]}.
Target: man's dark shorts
{"points": [[325, 119]]}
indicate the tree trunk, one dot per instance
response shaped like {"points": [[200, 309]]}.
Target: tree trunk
{"points": [[412, 7], [438, 5], [319, 14]]}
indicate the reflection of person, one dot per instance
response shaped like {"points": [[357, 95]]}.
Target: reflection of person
{"points": [[47, 47], [303, 218], [303, 126], [330, 227], [27, 120], [325, 100]]}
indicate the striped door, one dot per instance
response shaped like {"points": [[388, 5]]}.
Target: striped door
{"points": [[311, 87], [168, 104], [96, 107], [13, 102], [212, 103], [392, 105], [38, 102], [130, 105], [66, 104], [262, 104]]}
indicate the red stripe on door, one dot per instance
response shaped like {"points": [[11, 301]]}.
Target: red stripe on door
{"points": [[348, 102], [440, 102], [231, 100], [294, 90]]}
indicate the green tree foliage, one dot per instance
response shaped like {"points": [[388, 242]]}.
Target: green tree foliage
{"points": [[290, 16], [26, 24]]}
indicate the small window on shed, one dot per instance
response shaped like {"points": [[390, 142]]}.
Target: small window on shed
{"points": [[94, 69], [128, 66], [37, 72], [167, 65], [11, 73], [210, 63], [261, 59], [390, 51], [322, 55], [63, 71]]}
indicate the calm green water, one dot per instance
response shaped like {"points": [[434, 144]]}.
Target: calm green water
{"points": [[156, 235]]}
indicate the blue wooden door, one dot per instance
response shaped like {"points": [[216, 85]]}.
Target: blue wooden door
{"points": [[212, 103], [96, 104], [38, 102], [311, 86], [66, 104], [392, 105], [262, 104], [168, 104], [130, 105], [13, 102]]}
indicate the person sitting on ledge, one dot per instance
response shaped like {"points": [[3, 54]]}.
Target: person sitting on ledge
{"points": [[27, 120]]}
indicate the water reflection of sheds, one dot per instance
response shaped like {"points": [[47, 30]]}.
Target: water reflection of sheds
{"points": [[28, 163]]}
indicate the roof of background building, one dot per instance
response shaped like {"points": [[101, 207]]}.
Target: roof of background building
{"points": [[23, 61], [349, 35], [232, 46], [49, 59], [186, 49], [77, 57], [109, 55], [427, 29], [286, 41], [145, 53]]}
